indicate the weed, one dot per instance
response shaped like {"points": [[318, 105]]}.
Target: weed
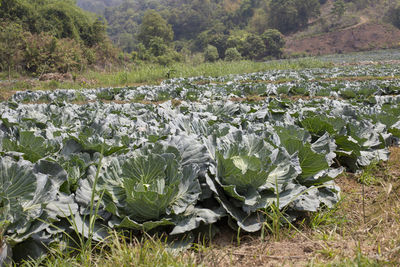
{"points": [[80, 251], [22, 85], [327, 217], [327, 252], [366, 91], [273, 222], [368, 175], [79, 97], [53, 84], [360, 260], [123, 78]]}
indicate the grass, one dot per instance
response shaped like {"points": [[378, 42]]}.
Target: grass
{"points": [[154, 74], [120, 250]]}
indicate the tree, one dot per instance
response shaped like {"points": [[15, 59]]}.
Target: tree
{"points": [[259, 22], [157, 46], [232, 54], [211, 53], [254, 48], [219, 40], [11, 36], [284, 15], [274, 42], [291, 15], [393, 16], [307, 9], [338, 9], [153, 25]]}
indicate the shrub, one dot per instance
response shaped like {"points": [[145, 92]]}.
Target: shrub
{"points": [[232, 54], [211, 53], [274, 42], [44, 54]]}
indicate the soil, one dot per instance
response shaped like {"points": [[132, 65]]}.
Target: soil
{"points": [[363, 36], [372, 232]]}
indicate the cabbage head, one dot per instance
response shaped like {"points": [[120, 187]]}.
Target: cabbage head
{"points": [[147, 190]]}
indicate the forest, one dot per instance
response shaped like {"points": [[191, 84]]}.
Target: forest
{"points": [[47, 36]]}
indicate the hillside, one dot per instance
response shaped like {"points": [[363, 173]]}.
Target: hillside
{"points": [[362, 37], [362, 26], [310, 27]]}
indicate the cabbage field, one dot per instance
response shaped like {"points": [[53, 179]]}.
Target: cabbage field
{"points": [[178, 157]]}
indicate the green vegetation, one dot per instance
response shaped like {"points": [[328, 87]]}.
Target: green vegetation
{"points": [[196, 25], [54, 36], [232, 54], [277, 160], [338, 9], [291, 15], [155, 73], [97, 6], [51, 36]]}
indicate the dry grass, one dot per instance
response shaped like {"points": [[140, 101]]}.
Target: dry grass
{"points": [[344, 237]]}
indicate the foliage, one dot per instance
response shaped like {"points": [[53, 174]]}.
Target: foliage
{"points": [[180, 165], [201, 23], [10, 46], [254, 47], [291, 15], [274, 42], [393, 16], [211, 53], [232, 54], [50, 36], [62, 19], [97, 6], [154, 26], [44, 53], [338, 9]]}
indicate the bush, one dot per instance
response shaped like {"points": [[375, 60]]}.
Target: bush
{"points": [[232, 54], [12, 40], [44, 54], [211, 53], [274, 43], [254, 48]]}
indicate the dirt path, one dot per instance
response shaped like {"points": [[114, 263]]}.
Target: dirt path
{"points": [[363, 20]]}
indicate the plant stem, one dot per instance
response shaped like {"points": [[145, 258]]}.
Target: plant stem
{"points": [[363, 202]]}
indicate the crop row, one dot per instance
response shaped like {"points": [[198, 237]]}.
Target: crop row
{"points": [[177, 167]]}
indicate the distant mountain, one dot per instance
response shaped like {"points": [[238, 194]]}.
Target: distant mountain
{"points": [[97, 6]]}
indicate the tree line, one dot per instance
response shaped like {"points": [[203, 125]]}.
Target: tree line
{"points": [[237, 29]]}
